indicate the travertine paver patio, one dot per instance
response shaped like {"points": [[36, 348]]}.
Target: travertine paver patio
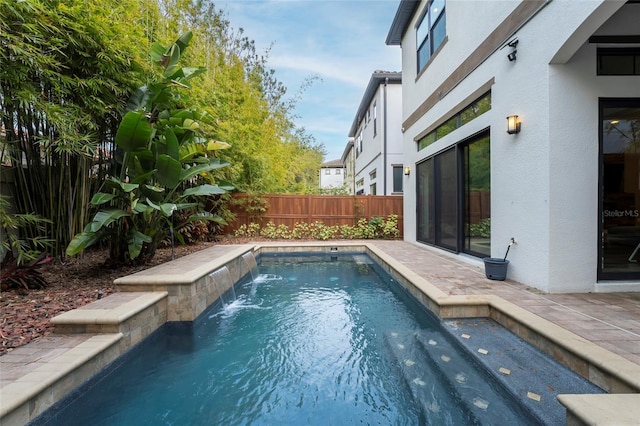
{"points": [[611, 320]]}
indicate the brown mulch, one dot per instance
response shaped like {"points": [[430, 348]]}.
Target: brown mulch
{"points": [[24, 316]]}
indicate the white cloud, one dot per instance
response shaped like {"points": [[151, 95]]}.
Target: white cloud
{"points": [[342, 42]]}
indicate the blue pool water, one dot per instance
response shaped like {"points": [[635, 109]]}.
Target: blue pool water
{"points": [[319, 340]]}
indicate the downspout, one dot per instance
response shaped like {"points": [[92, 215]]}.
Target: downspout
{"points": [[384, 137]]}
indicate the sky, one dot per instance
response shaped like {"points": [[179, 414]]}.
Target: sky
{"points": [[335, 44]]}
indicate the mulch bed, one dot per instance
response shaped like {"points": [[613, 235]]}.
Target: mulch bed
{"points": [[25, 315]]}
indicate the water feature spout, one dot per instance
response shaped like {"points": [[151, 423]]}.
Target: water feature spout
{"points": [[252, 265], [221, 279]]}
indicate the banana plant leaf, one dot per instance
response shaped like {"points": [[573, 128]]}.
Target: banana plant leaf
{"points": [[104, 218], [184, 40], [173, 63], [82, 241], [140, 100], [206, 216], [169, 171], [141, 207], [157, 53], [203, 190], [167, 209], [189, 124], [141, 163], [134, 132], [101, 198], [115, 183], [213, 164], [136, 240], [173, 146], [216, 145], [144, 177]]}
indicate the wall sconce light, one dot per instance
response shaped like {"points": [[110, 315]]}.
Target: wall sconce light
{"points": [[407, 170], [512, 55], [513, 125]]}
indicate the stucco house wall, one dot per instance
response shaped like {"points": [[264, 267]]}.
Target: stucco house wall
{"points": [[331, 175], [377, 129], [544, 180]]}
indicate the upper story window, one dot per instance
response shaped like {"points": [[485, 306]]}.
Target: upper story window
{"points": [[375, 119], [475, 109], [619, 61], [338, 171], [430, 32], [327, 171]]}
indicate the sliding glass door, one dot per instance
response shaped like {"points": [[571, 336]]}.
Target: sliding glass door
{"points": [[477, 196], [619, 189], [454, 198]]}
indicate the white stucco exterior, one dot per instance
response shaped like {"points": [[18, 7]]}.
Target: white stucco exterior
{"points": [[331, 175], [544, 180], [349, 161], [377, 135]]}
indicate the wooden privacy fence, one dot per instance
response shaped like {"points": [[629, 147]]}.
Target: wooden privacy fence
{"points": [[329, 209], [479, 206]]}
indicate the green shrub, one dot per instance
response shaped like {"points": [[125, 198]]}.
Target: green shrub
{"points": [[481, 229], [376, 227]]}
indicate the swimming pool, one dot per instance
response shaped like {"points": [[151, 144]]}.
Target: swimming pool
{"points": [[318, 339]]}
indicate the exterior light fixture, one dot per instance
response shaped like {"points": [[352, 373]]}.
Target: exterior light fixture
{"points": [[512, 55], [407, 170], [513, 125]]}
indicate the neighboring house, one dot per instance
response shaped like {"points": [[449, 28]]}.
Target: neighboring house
{"points": [[349, 161], [332, 175], [377, 137], [566, 184]]}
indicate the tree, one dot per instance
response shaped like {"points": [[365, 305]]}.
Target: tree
{"points": [[66, 70], [167, 165], [269, 153]]}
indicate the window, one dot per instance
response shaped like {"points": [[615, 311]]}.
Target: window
{"points": [[375, 119], [619, 61], [327, 171], [360, 182], [470, 112], [397, 178], [430, 32], [373, 174], [338, 171], [372, 189]]}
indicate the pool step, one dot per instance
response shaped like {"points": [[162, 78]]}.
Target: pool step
{"points": [[439, 405], [528, 374], [484, 397]]}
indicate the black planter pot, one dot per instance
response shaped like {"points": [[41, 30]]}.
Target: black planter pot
{"points": [[495, 268]]}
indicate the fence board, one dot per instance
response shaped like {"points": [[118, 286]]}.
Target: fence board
{"points": [[285, 209]]}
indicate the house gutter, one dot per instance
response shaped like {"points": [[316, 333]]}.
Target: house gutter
{"points": [[384, 137]]}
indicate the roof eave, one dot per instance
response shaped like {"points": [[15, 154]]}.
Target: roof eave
{"points": [[403, 16], [377, 78]]}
